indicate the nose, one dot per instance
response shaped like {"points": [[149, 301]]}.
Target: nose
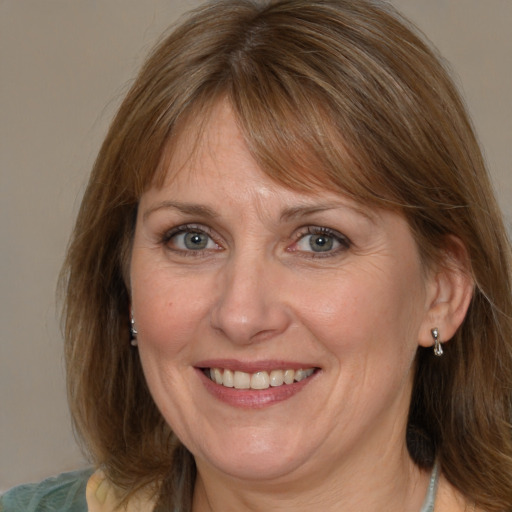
{"points": [[250, 306]]}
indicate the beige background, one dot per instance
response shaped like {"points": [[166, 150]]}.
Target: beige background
{"points": [[64, 66]]}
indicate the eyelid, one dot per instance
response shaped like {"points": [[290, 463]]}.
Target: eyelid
{"points": [[321, 230], [168, 234], [182, 228], [343, 240]]}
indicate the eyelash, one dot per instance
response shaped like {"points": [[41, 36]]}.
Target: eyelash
{"points": [[166, 238], [342, 240]]}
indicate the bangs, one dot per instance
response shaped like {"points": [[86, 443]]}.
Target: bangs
{"points": [[291, 133], [307, 125], [296, 139], [320, 105]]}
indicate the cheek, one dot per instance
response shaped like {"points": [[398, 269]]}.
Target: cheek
{"points": [[368, 309], [167, 308]]}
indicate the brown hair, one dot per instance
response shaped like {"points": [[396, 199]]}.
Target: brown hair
{"points": [[332, 93]]}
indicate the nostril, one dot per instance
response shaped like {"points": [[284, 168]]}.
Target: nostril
{"points": [[249, 306]]}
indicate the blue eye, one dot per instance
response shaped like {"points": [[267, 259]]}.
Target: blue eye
{"points": [[189, 239], [195, 241], [321, 243], [321, 240]]}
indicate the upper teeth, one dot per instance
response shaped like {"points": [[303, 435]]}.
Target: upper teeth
{"points": [[258, 380]]}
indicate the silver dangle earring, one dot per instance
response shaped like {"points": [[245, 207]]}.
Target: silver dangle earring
{"points": [[438, 348], [133, 332]]}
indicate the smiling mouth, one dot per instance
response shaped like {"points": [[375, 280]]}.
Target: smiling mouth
{"points": [[257, 380]]}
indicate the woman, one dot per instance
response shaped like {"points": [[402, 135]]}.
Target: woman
{"points": [[289, 285]]}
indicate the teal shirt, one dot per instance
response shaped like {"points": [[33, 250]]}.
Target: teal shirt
{"points": [[63, 493]]}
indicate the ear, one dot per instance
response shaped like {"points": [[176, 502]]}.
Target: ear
{"points": [[449, 292]]}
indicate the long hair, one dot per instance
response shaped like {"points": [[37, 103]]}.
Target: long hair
{"points": [[341, 94]]}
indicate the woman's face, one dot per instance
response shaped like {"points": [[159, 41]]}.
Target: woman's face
{"points": [[306, 308]]}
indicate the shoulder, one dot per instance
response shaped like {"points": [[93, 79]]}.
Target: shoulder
{"points": [[104, 496], [63, 493]]}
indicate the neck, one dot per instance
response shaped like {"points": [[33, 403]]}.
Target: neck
{"points": [[387, 484]]}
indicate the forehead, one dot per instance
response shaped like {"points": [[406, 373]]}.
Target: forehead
{"points": [[211, 162], [210, 132], [203, 141], [210, 149]]}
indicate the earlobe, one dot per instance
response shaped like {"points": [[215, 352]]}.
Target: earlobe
{"points": [[438, 348], [449, 294], [133, 329]]}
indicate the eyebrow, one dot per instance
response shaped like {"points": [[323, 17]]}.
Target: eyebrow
{"points": [[186, 208], [303, 211], [288, 214]]}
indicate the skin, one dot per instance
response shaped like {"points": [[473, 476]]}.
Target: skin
{"points": [[259, 292]]}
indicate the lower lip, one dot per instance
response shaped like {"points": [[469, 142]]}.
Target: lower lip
{"points": [[251, 398]]}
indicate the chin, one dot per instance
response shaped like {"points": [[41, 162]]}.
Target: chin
{"points": [[254, 458], [259, 468]]}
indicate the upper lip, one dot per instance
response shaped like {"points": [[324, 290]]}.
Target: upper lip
{"points": [[253, 366]]}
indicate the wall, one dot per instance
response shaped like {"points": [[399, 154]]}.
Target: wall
{"points": [[64, 68]]}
